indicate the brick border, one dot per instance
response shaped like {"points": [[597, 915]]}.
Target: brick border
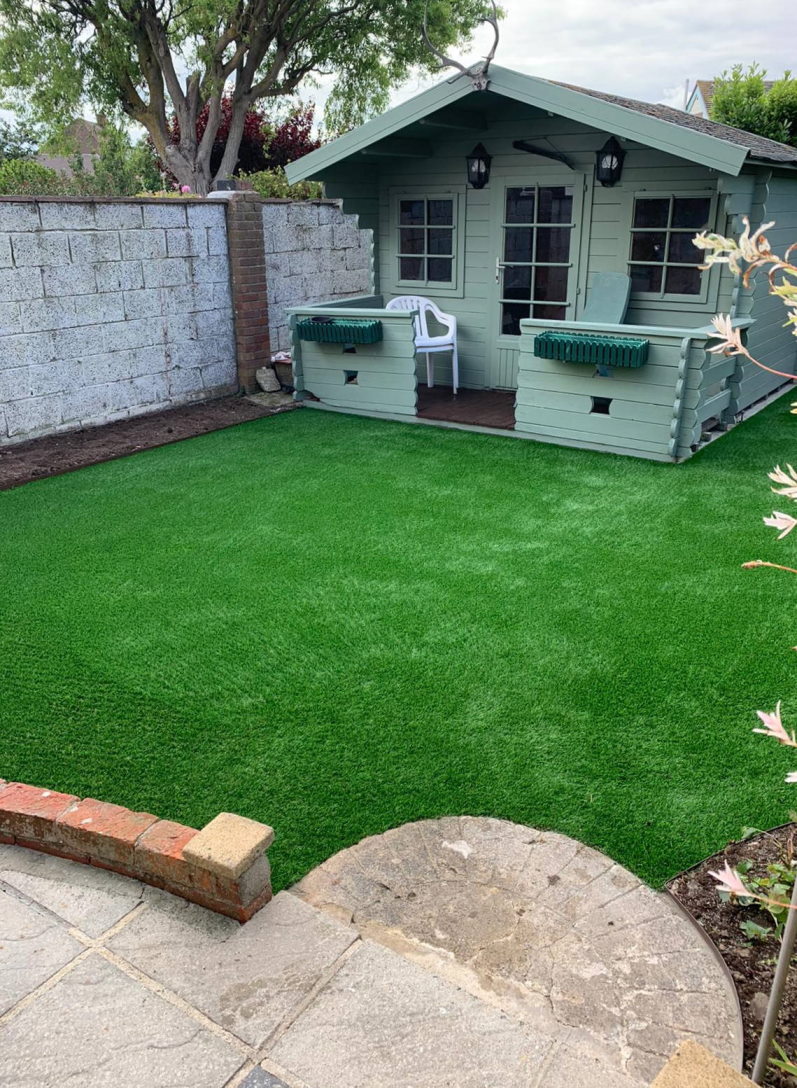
{"points": [[222, 867]]}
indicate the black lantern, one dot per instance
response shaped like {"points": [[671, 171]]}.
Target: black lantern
{"points": [[479, 167], [610, 163]]}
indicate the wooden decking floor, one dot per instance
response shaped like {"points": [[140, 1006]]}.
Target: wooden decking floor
{"points": [[476, 407]]}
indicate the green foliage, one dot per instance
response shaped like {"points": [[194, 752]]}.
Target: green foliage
{"points": [[274, 183], [741, 98], [124, 168], [18, 140], [776, 884], [783, 1061], [24, 177], [124, 57]]}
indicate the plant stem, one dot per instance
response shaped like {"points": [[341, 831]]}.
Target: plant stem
{"points": [[762, 563], [776, 993]]}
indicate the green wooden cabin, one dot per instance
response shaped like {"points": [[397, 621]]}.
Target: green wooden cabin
{"points": [[518, 258]]}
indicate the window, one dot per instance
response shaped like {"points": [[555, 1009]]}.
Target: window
{"points": [[426, 240], [663, 261], [537, 230]]}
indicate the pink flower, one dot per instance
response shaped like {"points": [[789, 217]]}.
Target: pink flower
{"points": [[730, 881], [729, 337], [788, 478], [185, 188], [774, 727], [784, 522]]}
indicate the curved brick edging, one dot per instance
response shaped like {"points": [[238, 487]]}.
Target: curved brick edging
{"points": [[222, 867]]}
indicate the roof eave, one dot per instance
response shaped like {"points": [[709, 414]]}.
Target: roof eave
{"points": [[667, 136]]}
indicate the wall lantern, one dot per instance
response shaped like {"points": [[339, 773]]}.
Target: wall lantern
{"points": [[609, 166], [478, 167]]}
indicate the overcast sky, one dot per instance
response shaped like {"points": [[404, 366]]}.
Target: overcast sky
{"points": [[639, 48]]}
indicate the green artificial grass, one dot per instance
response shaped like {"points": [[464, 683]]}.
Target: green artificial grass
{"points": [[336, 625]]}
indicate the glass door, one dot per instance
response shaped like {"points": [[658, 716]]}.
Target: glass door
{"points": [[536, 264]]}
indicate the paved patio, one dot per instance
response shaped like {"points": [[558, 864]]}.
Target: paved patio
{"points": [[467, 952]]}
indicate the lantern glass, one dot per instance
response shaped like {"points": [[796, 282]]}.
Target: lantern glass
{"points": [[609, 165], [478, 167]]}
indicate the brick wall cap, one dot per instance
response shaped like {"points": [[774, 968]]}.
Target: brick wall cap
{"points": [[692, 1066], [229, 845]]}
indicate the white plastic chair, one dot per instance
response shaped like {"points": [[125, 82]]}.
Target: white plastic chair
{"points": [[425, 343]]}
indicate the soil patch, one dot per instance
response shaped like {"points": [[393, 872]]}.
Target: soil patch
{"points": [[56, 454], [752, 963]]}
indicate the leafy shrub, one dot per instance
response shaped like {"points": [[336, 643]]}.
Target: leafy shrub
{"points": [[274, 184], [24, 177]]}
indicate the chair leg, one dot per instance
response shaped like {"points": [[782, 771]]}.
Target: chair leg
{"points": [[429, 371], [455, 368]]}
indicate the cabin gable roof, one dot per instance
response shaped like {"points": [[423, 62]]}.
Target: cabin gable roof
{"points": [[684, 135]]}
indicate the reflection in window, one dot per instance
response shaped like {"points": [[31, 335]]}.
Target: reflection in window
{"points": [[426, 240], [663, 260], [537, 228]]}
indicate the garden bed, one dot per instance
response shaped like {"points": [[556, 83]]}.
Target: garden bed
{"points": [[56, 454], [751, 963]]}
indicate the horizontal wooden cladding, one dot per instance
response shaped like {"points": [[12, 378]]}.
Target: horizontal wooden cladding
{"points": [[353, 396], [366, 379], [584, 380], [567, 428]]}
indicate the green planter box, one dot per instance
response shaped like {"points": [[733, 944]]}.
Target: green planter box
{"points": [[340, 330], [574, 347]]}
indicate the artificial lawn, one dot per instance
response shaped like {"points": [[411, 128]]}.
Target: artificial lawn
{"points": [[336, 625]]}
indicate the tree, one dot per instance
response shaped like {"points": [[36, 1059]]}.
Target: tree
{"points": [[264, 144], [18, 140], [744, 99], [128, 55]]}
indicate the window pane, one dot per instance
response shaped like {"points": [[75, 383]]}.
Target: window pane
{"points": [[517, 282], [517, 244], [651, 213], [520, 205], [439, 240], [550, 313], [411, 268], [411, 241], [441, 213], [411, 211], [682, 281], [648, 247], [551, 283], [556, 204], [646, 277], [439, 269], [512, 313], [691, 212], [553, 244], [681, 249]]}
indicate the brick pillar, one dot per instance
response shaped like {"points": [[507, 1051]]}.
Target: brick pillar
{"points": [[248, 284]]}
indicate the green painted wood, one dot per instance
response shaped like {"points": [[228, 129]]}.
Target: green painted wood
{"points": [[714, 406], [718, 154], [559, 400], [606, 387], [608, 426]]}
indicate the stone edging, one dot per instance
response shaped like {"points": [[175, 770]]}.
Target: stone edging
{"points": [[222, 867]]}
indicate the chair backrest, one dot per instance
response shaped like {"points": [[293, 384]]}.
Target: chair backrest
{"points": [[607, 299], [419, 303]]}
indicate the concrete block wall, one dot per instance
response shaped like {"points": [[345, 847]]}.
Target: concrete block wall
{"points": [[314, 253], [110, 309]]}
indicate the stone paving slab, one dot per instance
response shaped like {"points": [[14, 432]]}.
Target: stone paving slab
{"points": [[459, 953], [32, 948], [96, 1028], [549, 930], [89, 898], [245, 978], [383, 1022]]}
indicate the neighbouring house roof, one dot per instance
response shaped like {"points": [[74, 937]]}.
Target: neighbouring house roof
{"points": [[84, 138], [695, 139], [705, 88]]}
